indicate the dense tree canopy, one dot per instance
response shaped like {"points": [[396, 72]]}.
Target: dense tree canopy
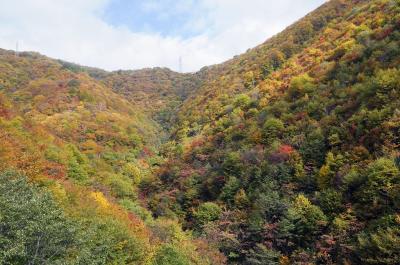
{"points": [[286, 154]]}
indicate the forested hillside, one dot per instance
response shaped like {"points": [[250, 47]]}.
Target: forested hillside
{"points": [[287, 154], [290, 156], [72, 155]]}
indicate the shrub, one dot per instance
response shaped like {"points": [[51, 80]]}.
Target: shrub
{"points": [[207, 212], [169, 254], [272, 129], [301, 85]]}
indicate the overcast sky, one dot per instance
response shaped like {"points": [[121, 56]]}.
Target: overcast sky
{"points": [[132, 34]]}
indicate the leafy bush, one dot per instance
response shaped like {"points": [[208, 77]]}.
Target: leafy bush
{"points": [[301, 85], [169, 254], [207, 212], [272, 129]]}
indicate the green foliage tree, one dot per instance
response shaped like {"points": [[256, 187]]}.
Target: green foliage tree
{"points": [[242, 101], [313, 110], [77, 165], [380, 188], [132, 171], [331, 201], [301, 85], [303, 222], [229, 190], [232, 165], [328, 172], [272, 129], [107, 241], [314, 147], [386, 84], [268, 205], [170, 254], [207, 212], [121, 186], [136, 208], [33, 229], [76, 171], [381, 244]]}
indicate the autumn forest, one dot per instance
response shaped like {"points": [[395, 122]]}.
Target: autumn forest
{"points": [[286, 154]]}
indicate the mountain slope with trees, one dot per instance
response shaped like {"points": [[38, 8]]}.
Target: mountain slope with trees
{"points": [[291, 155], [72, 155], [286, 154]]}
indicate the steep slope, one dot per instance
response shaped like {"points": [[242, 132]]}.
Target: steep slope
{"points": [[290, 154], [84, 149], [244, 72]]}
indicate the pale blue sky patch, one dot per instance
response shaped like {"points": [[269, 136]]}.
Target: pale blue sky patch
{"points": [[167, 18]]}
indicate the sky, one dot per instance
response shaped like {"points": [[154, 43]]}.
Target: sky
{"points": [[134, 34]]}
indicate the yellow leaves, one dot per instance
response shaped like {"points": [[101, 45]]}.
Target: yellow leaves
{"points": [[113, 117], [58, 192], [339, 224], [250, 79], [121, 245], [301, 201], [249, 76], [133, 172], [328, 171], [397, 218], [299, 172], [241, 198], [348, 44], [263, 102], [255, 135], [39, 85], [238, 113], [324, 171], [100, 199], [331, 33], [343, 221], [81, 107], [388, 79]]}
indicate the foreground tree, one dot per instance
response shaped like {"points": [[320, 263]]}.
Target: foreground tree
{"points": [[33, 230]]}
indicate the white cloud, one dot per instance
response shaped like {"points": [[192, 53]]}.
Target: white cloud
{"points": [[73, 30]]}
